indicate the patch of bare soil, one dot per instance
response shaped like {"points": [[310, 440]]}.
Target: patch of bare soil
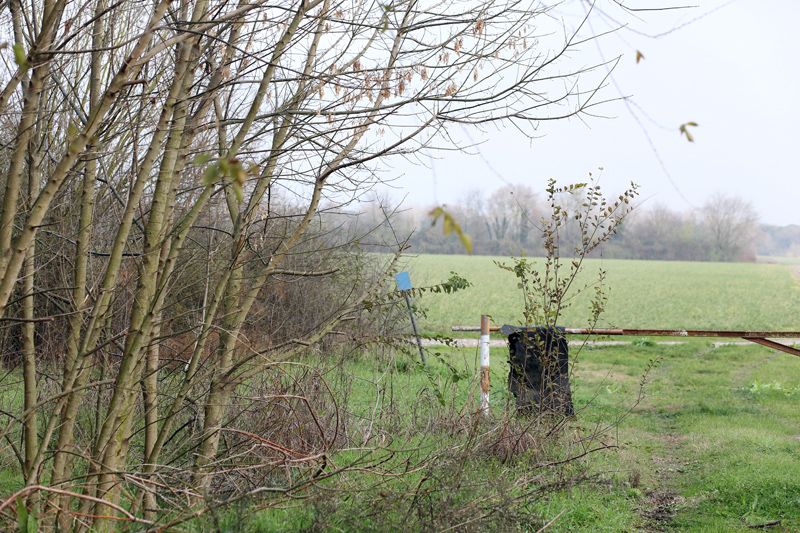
{"points": [[673, 440], [663, 501], [660, 509]]}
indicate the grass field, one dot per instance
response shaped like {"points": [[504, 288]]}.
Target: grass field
{"points": [[641, 294], [713, 444]]}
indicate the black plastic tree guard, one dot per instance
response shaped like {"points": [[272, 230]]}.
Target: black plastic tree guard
{"points": [[539, 370]]}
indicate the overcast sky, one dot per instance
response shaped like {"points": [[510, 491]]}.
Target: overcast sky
{"points": [[731, 67]]}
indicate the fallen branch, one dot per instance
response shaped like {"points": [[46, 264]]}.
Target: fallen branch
{"points": [[766, 525], [32, 488]]}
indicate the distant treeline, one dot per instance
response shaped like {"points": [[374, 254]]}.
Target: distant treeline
{"points": [[725, 228], [779, 241]]}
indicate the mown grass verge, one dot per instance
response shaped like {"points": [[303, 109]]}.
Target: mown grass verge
{"points": [[705, 450]]}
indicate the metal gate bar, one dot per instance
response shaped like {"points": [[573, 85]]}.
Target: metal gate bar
{"points": [[758, 337]]}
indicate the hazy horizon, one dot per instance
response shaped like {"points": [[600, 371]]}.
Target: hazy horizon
{"points": [[728, 66]]}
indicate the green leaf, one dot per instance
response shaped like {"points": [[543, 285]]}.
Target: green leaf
{"points": [[22, 515], [212, 174], [451, 226], [387, 8], [685, 131], [201, 159], [20, 57], [466, 240], [237, 190]]}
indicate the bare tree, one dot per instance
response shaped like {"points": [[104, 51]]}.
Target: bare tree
{"points": [[510, 210], [732, 224]]}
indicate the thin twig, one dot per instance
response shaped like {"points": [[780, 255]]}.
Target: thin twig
{"points": [[550, 523]]}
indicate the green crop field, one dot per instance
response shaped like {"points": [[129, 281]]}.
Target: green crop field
{"points": [[641, 294]]}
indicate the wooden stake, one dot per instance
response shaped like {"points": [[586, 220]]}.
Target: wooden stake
{"points": [[485, 364]]}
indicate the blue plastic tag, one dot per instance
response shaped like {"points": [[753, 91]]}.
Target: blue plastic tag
{"points": [[403, 281]]}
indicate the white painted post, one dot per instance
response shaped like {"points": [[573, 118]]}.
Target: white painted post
{"points": [[484, 364]]}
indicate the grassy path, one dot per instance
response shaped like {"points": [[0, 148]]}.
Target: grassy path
{"points": [[713, 446]]}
